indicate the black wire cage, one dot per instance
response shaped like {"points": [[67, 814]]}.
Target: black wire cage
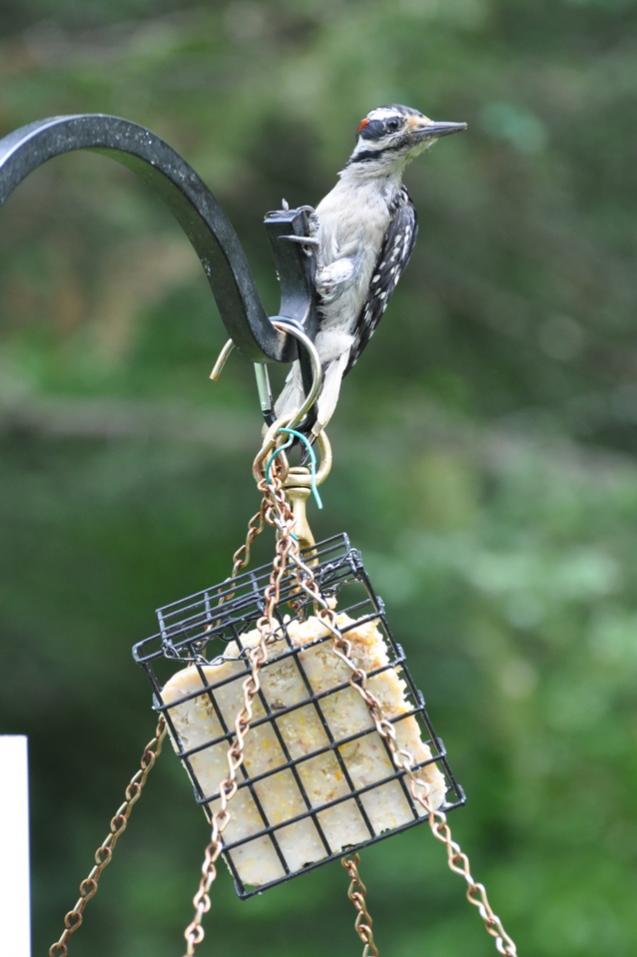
{"points": [[317, 780]]}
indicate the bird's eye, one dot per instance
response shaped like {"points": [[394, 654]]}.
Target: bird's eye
{"points": [[392, 125]]}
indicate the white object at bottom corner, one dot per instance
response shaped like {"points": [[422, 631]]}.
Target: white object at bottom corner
{"points": [[15, 906]]}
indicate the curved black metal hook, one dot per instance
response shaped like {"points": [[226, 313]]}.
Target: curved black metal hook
{"points": [[199, 214]]}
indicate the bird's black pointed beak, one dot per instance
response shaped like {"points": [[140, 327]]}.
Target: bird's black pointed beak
{"points": [[440, 129]]}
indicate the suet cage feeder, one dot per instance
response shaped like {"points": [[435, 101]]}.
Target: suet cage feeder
{"points": [[198, 628]]}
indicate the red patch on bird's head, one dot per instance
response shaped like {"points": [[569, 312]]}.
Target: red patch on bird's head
{"points": [[361, 126]]}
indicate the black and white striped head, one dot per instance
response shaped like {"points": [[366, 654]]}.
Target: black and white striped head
{"points": [[391, 136]]}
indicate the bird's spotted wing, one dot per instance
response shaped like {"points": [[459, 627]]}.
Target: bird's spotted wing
{"points": [[397, 247]]}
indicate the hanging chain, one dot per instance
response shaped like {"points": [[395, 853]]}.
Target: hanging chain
{"points": [[273, 502], [281, 515], [457, 860], [241, 557], [357, 894], [104, 853]]}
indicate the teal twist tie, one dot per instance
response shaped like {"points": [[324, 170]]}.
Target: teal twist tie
{"points": [[311, 455]]}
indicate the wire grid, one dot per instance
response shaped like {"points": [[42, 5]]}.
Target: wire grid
{"points": [[193, 630]]}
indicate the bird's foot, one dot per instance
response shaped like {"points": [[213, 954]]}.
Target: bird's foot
{"points": [[310, 242], [334, 279]]}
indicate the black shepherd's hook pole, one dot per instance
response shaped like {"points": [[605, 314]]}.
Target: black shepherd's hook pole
{"points": [[199, 214]]}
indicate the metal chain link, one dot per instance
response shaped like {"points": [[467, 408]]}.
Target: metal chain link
{"points": [[104, 853], [357, 893], [241, 557], [457, 860], [273, 501]]}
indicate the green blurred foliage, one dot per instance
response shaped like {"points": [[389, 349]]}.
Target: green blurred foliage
{"points": [[485, 447]]}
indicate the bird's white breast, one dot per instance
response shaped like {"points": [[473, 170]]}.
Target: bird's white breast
{"points": [[352, 221]]}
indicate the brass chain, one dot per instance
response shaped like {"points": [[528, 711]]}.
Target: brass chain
{"points": [[357, 893], [457, 860], [276, 511], [104, 853], [273, 501], [241, 557], [281, 515]]}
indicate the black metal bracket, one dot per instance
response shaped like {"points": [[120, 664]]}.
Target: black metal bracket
{"points": [[199, 214]]}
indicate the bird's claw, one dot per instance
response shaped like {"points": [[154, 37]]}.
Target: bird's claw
{"points": [[303, 240], [309, 241]]}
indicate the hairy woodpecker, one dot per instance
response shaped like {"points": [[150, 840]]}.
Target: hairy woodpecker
{"points": [[363, 232]]}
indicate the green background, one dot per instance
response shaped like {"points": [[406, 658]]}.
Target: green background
{"points": [[485, 447]]}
